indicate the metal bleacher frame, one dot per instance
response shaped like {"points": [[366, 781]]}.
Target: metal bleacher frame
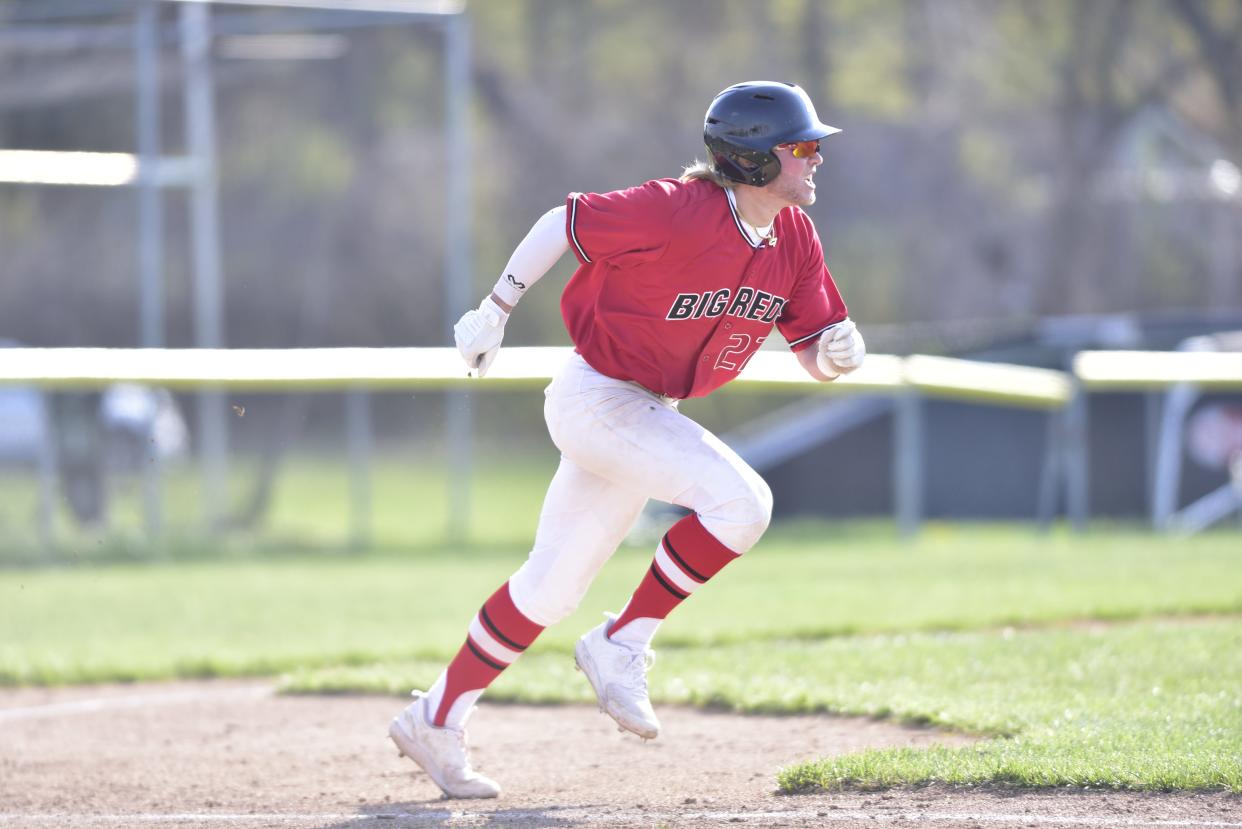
{"points": [[138, 26]]}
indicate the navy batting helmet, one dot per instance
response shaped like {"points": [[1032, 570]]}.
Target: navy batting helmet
{"points": [[745, 121]]}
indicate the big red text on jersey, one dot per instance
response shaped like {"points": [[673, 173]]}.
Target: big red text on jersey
{"points": [[749, 303]]}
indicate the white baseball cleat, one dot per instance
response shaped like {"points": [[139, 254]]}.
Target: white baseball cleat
{"points": [[441, 752], [618, 673]]}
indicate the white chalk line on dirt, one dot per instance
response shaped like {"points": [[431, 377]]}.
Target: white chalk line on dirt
{"points": [[503, 817], [94, 705]]}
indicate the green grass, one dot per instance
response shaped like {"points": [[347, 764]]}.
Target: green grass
{"points": [[1144, 705], [117, 622], [976, 629], [409, 493], [126, 622], [1140, 706]]}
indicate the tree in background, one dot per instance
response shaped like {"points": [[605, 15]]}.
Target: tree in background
{"points": [[975, 180]]}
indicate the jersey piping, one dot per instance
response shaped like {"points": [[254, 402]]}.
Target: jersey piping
{"points": [[737, 220], [573, 233], [801, 340]]}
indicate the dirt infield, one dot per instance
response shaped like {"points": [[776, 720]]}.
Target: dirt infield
{"points": [[236, 754]]}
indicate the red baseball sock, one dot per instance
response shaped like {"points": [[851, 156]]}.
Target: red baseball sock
{"points": [[688, 555], [496, 638]]}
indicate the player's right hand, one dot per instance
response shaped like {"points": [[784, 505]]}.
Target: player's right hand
{"points": [[478, 334]]}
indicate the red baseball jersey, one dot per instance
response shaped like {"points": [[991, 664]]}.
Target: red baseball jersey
{"points": [[671, 292]]}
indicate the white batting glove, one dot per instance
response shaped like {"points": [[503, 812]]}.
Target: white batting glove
{"points": [[841, 349], [478, 334]]}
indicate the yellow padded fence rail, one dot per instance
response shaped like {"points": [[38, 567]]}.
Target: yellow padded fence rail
{"points": [[1156, 370], [328, 369]]}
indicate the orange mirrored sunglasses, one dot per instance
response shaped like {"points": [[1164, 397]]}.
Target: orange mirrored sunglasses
{"points": [[803, 149]]}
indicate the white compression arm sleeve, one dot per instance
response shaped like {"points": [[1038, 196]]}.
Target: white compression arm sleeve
{"points": [[534, 256]]}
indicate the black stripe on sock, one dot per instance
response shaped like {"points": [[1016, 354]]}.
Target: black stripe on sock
{"points": [[655, 571], [486, 660], [495, 631], [681, 562]]}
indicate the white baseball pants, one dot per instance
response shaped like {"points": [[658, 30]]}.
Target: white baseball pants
{"points": [[620, 445]]}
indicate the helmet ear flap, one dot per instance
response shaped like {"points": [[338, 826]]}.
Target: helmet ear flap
{"points": [[745, 166]]}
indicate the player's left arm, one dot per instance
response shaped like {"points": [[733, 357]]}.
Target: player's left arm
{"points": [[806, 357], [840, 350], [815, 321]]}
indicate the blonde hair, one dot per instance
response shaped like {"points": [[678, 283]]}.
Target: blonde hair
{"points": [[702, 170]]}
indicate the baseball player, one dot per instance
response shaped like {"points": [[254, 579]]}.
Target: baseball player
{"points": [[679, 282]]}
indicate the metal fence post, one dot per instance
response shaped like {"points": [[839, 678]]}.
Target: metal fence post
{"points": [[358, 437], [1050, 470], [458, 238], [48, 462], [1077, 462], [150, 229], [208, 281], [908, 462]]}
